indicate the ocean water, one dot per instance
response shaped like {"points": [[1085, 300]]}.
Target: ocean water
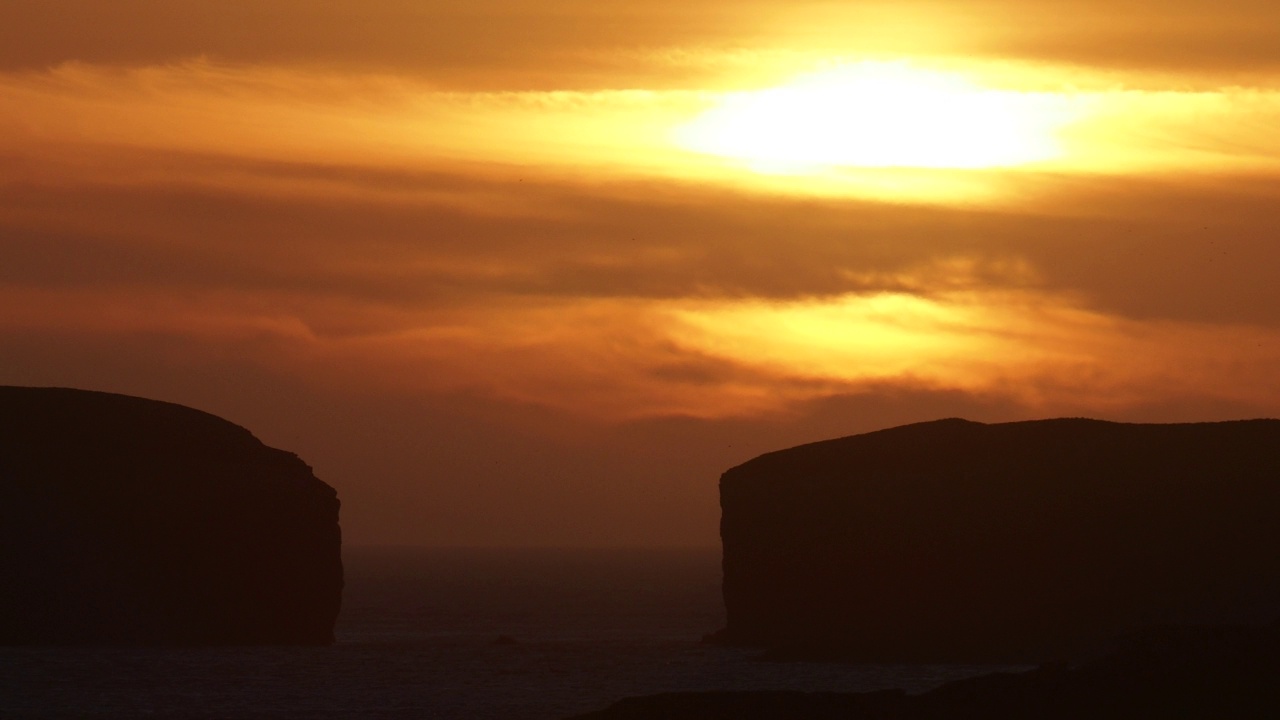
{"points": [[418, 637]]}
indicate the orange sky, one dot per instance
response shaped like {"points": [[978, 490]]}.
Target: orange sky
{"points": [[536, 272]]}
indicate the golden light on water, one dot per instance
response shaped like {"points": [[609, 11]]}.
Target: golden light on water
{"points": [[881, 115]]}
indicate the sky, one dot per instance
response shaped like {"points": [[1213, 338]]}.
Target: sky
{"points": [[536, 272]]}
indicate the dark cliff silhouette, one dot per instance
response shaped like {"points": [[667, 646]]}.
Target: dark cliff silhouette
{"points": [[955, 541], [131, 521]]}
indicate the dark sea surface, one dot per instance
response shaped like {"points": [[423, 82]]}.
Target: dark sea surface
{"points": [[418, 638]]}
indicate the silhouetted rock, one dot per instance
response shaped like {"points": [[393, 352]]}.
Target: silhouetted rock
{"points": [[131, 521], [955, 541], [1190, 673], [755, 705]]}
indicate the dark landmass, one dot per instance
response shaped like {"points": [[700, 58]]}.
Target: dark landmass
{"points": [[1225, 673], [955, 541], [131, 521]]}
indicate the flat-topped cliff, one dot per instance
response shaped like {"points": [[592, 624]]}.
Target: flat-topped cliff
{"points": [[132, 521], [957, 541]]}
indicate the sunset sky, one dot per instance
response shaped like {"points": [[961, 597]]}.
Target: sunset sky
{"points": [[534, 272]]}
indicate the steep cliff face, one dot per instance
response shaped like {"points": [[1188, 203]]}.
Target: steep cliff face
{"points": [[131, 521], [959, 541]]}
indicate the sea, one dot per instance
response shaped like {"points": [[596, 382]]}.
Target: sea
{"points": [[443, 634]]}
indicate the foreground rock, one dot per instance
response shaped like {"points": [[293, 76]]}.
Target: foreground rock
{"points": [[955, 541], [1183, 673], [130, 521]]}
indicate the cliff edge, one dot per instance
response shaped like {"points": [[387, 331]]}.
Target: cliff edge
{"points": [[132, 521], [957, 541]]}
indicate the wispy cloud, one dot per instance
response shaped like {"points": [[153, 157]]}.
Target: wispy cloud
{"points": [[456, 255], [556, 248], [64, 117]]}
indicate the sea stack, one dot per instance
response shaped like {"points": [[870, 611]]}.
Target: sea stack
{"points": [[957, 541], [132, 521]]}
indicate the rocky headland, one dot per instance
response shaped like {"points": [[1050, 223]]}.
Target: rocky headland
{"points": [[132, 521], [957, 541], [1139, 561]]}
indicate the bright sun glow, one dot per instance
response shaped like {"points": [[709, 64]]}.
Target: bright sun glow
{"points": [[879, 115]]}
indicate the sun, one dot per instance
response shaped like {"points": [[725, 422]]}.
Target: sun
{"points": [[879, 115]]}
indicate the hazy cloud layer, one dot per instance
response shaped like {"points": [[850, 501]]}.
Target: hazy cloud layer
{"points": [[473, 279], [629, 302], [577, 43]]}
